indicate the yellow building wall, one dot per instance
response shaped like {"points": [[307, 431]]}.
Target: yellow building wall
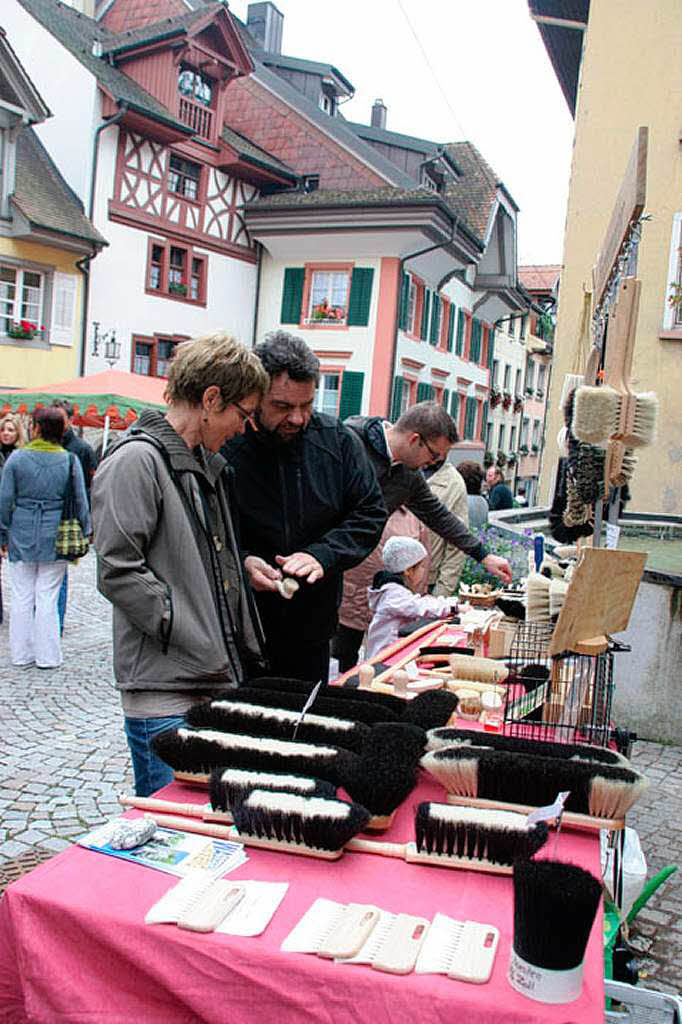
{"points": [[24, 367], [631, 75]]}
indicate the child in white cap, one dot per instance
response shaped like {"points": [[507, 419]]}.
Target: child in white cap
{"points": [[392, 597]]}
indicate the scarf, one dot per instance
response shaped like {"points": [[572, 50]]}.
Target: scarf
{"points": [[38, 445]]}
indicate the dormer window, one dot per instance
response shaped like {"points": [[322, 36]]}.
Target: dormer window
{"points": [[428, 182], [196, 101], [328, 102]]}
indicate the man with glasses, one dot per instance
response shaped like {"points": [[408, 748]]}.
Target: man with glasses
{"points": [[423, 436], [309, 506]]}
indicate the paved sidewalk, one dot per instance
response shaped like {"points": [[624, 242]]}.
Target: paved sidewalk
{"points": [[64, 759]]}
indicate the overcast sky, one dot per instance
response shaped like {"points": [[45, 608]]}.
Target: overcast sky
{"points": [[465, 69]]}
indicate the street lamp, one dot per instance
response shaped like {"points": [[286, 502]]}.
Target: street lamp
{"points": [[111, 349]]}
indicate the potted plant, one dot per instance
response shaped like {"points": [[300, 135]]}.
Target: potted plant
{"points": [[518, 403], [535, 449], [488, 459], [176, 288], [540, 393], [501, 459], [523, 449], [506, 400], [529, 391], [23, 329], [511, 459]]}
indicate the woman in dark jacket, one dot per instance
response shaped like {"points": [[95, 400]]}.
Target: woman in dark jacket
{"points": [[32, 491]]}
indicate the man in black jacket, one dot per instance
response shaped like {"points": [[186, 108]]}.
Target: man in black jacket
{"points": [[423, 436], [309, 505]]}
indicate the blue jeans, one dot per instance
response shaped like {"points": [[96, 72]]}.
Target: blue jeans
{"points": [[61, 601], [151, 773]]}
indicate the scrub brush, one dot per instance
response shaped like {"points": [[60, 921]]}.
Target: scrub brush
{"points": [[602, 413], [537, 598], [557, 596]]}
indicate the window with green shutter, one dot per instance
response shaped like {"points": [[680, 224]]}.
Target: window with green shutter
{"points": [[454, 406], [475, 347], [461, 322], [352, 384], [424, 392], [397, 401], [451, 326], [434, 329], [470, 416], [491, 347], [404, 299], [426, 312], [360, 296], [292, 295], [446, 399]]}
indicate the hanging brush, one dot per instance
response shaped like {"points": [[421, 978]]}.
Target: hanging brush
{"points": [[604, 413], [366, 711], [234, 716], [599, 793], [555, 906], [385, 772], [437, 739], [557, 595], [227, 787], [537, 598], [330, 692], [193, 753]]}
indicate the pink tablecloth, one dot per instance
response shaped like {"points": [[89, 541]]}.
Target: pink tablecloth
{"points": [[73, 945]]}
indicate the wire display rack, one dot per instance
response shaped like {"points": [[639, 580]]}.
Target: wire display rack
{"points": [[565, 699]]}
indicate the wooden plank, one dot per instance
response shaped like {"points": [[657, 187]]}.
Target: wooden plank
{"points": [[600, 597], [627, 209]]}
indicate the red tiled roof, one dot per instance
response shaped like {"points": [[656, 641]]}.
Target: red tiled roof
{"points": [[539, 277]]}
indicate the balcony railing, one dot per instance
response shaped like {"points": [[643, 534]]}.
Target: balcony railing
{"points": [[197, 117]]}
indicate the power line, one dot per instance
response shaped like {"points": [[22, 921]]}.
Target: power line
{"points": [[425, 55]]}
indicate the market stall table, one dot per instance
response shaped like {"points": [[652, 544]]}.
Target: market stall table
{"points": [[74, 946]]}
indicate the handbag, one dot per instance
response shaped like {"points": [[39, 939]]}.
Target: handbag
{"points": [[71, 542]]}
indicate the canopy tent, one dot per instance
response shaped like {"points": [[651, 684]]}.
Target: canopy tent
{"points": [[112, 399]]}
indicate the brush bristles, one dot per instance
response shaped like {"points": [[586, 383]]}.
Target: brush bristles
{"points": [[200, 750], [537, 598], [384, 701], [314, 823], [524, 779], [439, 738], [557, 595], [483, 670], [230, 786], [554, 908], [495, 836], [368, 712], [430, 709], [386, 771], [596, 412], [259, 720], [645, 420]]}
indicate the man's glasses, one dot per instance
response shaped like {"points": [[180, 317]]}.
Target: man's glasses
{"points": [[247, 417], [435, 456]]}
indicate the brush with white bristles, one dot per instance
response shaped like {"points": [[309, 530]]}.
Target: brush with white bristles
{"points": [[483, 670], [557, 595], [598, 793], [436, 739], [233, 715], [603, 413], [537, 598], [193, 753]]}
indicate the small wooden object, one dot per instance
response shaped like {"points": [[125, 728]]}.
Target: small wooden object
{"points": [[365, 677]]}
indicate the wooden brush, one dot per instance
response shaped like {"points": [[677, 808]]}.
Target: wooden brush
{"points": [[192, 753], [600, 795], [484, 670], [235, 716], [360, 710], [603, 413], [537, 598], [437, 739], [555, 905]]}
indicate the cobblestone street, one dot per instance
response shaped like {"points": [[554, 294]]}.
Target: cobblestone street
{"points": [[63, 761]]}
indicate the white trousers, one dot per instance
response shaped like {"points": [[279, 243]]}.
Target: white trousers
{"points": [[33, 617]]}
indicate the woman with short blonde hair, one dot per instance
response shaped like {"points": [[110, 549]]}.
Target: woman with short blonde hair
{"points": [[168, 549], [12, 433]]}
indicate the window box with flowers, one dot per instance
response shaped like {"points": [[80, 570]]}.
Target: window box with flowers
{"points": [[501, 460], [529, 392], [495, 398], [23, 330], [518, 403], [506, 400], [511, 459], [540, 393], [535, 449], [488, 459], [523, 449]]}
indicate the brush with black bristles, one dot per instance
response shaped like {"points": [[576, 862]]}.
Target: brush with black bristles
{"points": [[445, 836], [340, 693], [600, 795], [430, 709], [555, 906], [232, 715], [193, 753], [385, 772], [228, 786], [365, 711], [452, 737]]}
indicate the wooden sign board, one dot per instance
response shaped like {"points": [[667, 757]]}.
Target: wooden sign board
{"points": [[600, 598], [627, 209]]}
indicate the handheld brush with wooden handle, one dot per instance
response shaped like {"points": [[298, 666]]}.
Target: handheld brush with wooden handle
{"points": [[600, 795], [362, 710], [330, 692], [436, 739]]}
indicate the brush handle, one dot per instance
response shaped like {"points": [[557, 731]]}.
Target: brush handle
{"points": [[384, 677], [204, 828], [572, 818], [475, 684], [145, 803], [398, 850], [388, 652], [197, 778]]}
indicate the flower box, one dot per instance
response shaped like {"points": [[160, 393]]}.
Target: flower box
{"points": [[23, 330]]}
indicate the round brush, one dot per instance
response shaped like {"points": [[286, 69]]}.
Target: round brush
{"points": [[555, 906]]}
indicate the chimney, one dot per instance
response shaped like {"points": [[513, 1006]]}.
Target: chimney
{"points": [[379, 112], [264, 22]]}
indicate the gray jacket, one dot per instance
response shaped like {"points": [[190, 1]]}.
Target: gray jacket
{"points": [[32, 489], [402, 486], [169, 562]]}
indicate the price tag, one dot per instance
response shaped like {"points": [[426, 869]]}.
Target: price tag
{"points": [[306, 707], [612, 535], [550, 812]]}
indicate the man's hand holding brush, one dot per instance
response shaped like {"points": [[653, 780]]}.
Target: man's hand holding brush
{"points": [[265, 577]]}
